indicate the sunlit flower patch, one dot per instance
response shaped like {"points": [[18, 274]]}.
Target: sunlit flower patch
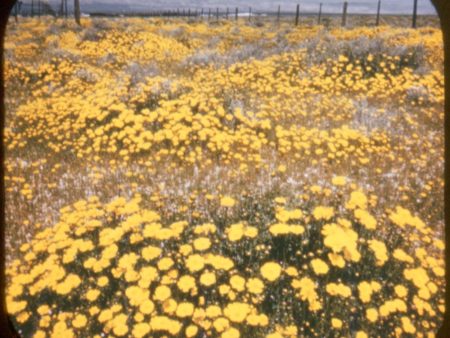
{"points": [[87, 274], [194, 179]]}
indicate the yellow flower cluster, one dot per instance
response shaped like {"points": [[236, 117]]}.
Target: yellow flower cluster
{"points": [[167, 285]]}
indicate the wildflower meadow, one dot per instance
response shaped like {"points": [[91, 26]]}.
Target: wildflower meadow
{"points": [[183, 178]]}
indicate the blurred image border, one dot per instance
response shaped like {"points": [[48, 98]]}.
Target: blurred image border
{"points": [[443, 9]]}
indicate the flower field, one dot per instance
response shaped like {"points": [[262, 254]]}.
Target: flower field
{"points": [[173, 178]]}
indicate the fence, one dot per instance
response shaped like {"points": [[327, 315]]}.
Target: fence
{"points": [[32, 8], [42, 7]]}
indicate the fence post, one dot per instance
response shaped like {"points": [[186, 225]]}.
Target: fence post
{"points": [[237, 14], [16, 12], [414, 18], [39, 8], [344, 14], [297, 14], [278, 14], [32, 8], [378, 13], [67, 11], [209, 14], [249, 14], [201, 15], [77, 12], [226, 15], [320, 14], [217, 13]]}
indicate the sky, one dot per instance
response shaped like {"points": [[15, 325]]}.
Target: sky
{"points": [[356, 6]]}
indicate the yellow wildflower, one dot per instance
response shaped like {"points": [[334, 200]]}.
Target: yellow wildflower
{"points": [[271, 271]]}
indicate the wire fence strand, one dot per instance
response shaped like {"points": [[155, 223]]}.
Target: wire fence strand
{"points": [[297, 10]]}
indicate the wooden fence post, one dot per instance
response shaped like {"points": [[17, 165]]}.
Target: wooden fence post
{"points": [[226, 15], [278, 14], [378, 13], [344, 14], [249, 14], [16, 12], [297, 14], [209, 14], [77, 12], [414, 18], [237, 14], [320, 14], [32, 8]]}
